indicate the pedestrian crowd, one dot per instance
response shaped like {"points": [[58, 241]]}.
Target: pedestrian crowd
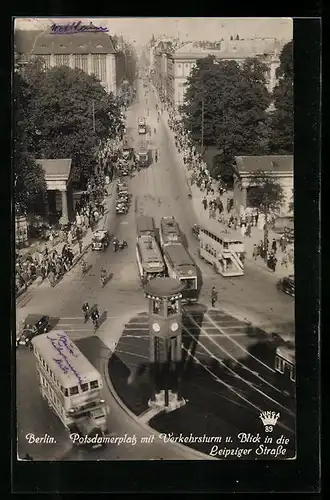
{"points": [[51, 264]]}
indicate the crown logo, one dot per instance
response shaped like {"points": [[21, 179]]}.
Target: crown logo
{"points": [[269, 418]]}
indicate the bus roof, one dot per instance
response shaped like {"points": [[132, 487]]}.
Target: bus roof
{"points": [[218, 230], [144, 224], [64, 359], [178, 255]]}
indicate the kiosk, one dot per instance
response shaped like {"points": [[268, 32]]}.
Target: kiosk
{"points": [[165, 341]]}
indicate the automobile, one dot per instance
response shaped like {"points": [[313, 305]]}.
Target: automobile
{"points": [[34, 325], [123, 199], [195, 231], [121, 209], [101, 239], [286, 285]]}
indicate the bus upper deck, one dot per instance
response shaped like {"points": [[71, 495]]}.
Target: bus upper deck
{"points": [[64, 360], [225, 251]]}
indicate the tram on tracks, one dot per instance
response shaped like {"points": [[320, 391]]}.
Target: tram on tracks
{"points": [[181, 266], [149, 257], [169, 231], [285, 366]]}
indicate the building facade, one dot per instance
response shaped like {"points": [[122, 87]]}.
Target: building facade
{"points": [[279, 167], [183, 59], [93, 53]]}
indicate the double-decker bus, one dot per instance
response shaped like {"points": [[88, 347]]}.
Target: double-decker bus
{"points": [[70, 384], [145, 225], [149, 257], [225, 251], [169, 231], [181, 266], [142, 126]]}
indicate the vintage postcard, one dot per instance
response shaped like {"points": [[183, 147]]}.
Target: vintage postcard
{"points": [[154, 226]]}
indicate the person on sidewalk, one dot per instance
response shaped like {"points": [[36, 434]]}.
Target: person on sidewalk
{"points": [[274, 246], [214, 296], [248, 231], [156, 156], [255, 252], [204, 202], [80, 243]]}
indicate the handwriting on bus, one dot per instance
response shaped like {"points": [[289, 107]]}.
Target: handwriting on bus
{"points": [[63, 347]]}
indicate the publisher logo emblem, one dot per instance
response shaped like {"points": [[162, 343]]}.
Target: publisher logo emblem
{"points": [[269, 419]]}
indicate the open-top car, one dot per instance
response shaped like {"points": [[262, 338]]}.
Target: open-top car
{"points": [[100, 240], [34, 324]]}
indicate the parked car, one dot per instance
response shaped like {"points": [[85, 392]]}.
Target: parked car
{"points": [[286, 285], [34, 324], [121, 208]]}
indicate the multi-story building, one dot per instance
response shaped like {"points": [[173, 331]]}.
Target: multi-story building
{"points": [[185, 57], [91, 52]]}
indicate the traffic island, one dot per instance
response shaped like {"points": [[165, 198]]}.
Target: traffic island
{"points": [[223, 392]]}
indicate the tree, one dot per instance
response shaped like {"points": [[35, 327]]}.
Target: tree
{"points": [[282, 125], [222, 170], [235, 102], [68, 116], [266, 194], [29, 179]]}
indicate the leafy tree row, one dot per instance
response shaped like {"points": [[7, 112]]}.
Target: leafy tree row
{"points": [[59, 113], [234, 103]]}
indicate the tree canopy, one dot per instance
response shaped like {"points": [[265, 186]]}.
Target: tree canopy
{"points": [[265, 192], [68, 115], [282, 124], [235, 101], [29, 179]]}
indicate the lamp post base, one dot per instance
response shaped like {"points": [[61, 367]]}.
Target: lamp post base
{"points": [[173, 401]]}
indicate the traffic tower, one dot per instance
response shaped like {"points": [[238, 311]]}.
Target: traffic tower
{"points": [[165, 341]]}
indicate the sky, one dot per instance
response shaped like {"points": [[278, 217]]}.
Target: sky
{"points": [[140, 30]]}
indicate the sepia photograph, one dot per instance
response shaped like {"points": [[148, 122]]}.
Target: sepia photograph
{"points": [[153, 170]]}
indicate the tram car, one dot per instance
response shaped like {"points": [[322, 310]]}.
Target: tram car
{"points": [[169, 231], [149, 257], [145, 225], [181, 266], [285, 366]]}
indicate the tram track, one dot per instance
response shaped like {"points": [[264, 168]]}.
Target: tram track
{"points": [[241, 379]]}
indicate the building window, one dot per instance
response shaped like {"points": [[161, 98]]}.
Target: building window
{"points": [[61, 59], [99, 66], [46, 58], [81, 62]]}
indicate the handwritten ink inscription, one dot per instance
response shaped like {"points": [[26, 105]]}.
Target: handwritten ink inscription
{"points": [[64, 348], [78, 27]]}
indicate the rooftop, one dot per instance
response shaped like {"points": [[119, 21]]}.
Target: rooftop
{"points": [[36, 42], [59, 168], [65, 360], [233, 49], [269, 163], [163, 287]]}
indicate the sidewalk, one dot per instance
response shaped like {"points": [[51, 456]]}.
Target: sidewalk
{"points": [[202, 217], [109, 212]]}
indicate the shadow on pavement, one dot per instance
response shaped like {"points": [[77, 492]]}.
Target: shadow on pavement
{"points": [[132, 386], [192, 320]]}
